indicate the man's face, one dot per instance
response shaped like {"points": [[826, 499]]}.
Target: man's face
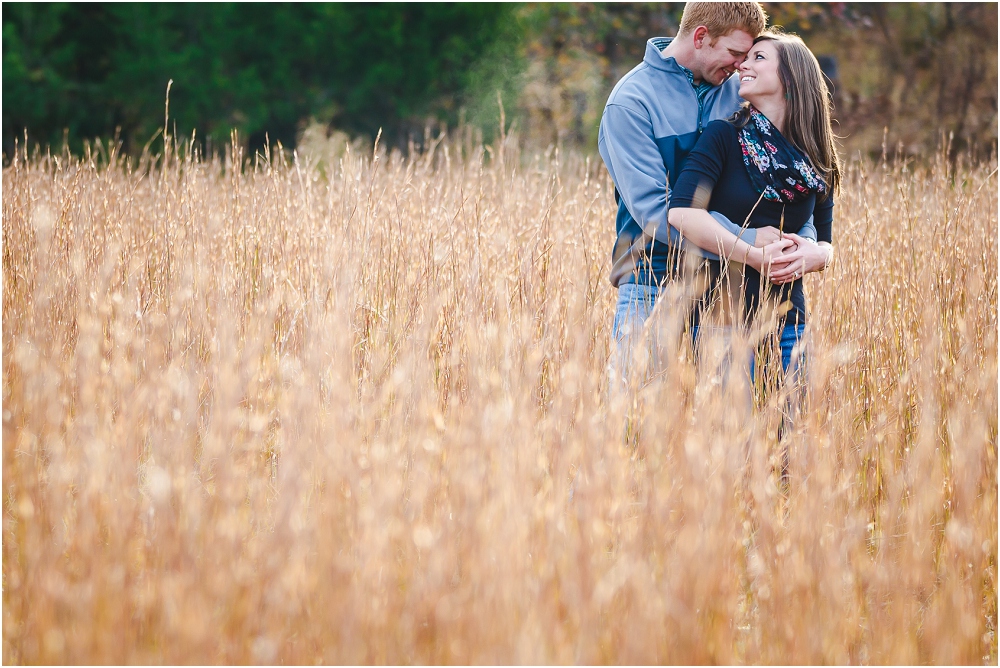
{"points": [[721, 57]]}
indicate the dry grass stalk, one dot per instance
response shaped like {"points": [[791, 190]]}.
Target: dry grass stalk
{"points": [[271, 414]]}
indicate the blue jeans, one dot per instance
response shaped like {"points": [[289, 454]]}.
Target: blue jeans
{"points": [[791, 336], [642, 345], [635, 306]]}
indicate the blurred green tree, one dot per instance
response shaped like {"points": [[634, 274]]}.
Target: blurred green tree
{"points": [[87, 69]]}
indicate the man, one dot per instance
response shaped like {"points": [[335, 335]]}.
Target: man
{"points": [[652, 121]]}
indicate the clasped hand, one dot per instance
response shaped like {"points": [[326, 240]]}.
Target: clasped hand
{"points": [[788, 257]]}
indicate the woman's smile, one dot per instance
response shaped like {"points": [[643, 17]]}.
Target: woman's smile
{"points": [[759, 72]]}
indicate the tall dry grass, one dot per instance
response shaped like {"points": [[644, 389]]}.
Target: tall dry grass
{"points": [[360, 414]]}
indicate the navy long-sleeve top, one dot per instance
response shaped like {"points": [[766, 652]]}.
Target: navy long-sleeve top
{"points": [[715, 178]]}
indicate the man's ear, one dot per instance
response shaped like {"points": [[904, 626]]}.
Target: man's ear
{"points": [[700, 35]]}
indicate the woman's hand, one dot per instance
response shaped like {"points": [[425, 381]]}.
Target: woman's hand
{"points": [[804, 258]]}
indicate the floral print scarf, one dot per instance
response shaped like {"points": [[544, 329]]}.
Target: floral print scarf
{"points": [[767, 156]]}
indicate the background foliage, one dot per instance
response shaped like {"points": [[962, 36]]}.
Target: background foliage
{"points": [[265, 68], [905, 72], [913, 70]]}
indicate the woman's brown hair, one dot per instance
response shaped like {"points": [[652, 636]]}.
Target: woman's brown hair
{"points": [[808, 107]]}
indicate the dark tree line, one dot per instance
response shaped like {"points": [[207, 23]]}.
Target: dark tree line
{"points": [[88, 69]]}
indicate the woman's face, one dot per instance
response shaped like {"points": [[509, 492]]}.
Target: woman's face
{"points": [[759, 77]]}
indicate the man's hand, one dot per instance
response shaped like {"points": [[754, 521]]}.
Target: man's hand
{"points": [[766, 235], [762, 259], [803, 258]]}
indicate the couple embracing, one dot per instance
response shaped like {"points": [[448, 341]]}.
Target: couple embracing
{"points": [[721, 151]]}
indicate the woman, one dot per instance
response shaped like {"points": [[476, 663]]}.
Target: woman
{"points": [[773, 164]]}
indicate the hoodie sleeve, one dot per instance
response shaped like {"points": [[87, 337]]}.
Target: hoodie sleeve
{"points": [[630, 152], [808, 230], [635, 163]]}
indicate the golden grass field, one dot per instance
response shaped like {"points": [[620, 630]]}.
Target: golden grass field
{"points": [[361, 414]]}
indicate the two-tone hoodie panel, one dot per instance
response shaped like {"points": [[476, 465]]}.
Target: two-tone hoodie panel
{"points": [[651, 122]]}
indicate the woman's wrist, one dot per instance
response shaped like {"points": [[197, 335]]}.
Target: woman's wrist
{"points": [[827, 255]]}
